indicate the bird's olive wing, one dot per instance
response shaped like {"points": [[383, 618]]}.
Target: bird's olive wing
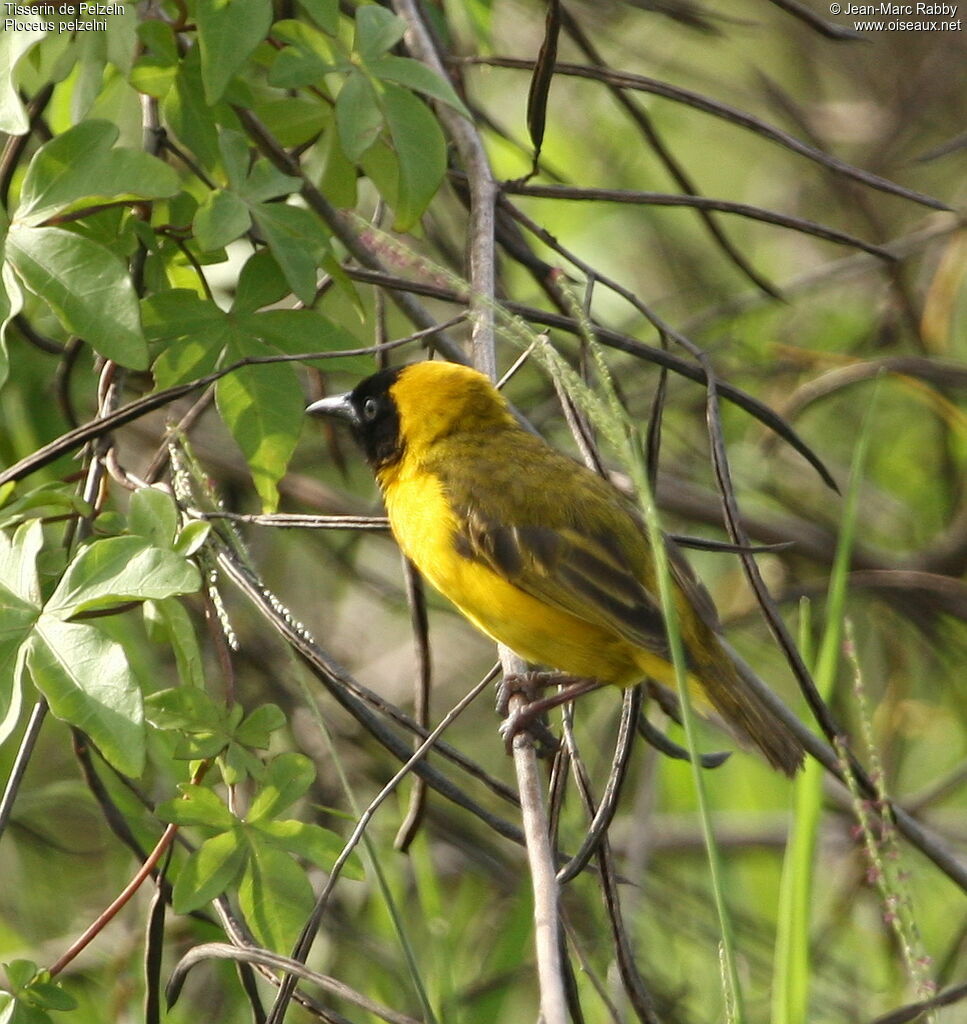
{"points": [[585, 573], [697, 596]]}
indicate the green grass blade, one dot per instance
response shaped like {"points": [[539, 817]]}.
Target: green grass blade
{"points": [[609, 416], [791, 971]]}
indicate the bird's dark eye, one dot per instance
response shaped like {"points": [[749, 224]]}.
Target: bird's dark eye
{"points": [[370, 409]]}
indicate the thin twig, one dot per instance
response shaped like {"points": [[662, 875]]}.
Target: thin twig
{"points": [[919, 835], [276, 962], [638, 198], [607, 808], [315, 919], [634, 985], [27, 743], [540, 858], [483, 193], [671, 163], [915, 1011], [623, 343], [103, 425], [357, 700], [419, 620], [721, 110], [124, 897]]}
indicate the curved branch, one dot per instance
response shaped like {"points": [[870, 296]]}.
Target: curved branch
{"points": [[696, 100], [635, 198]]}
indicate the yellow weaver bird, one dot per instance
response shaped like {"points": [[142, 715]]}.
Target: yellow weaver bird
{"points": [[534, 549]]}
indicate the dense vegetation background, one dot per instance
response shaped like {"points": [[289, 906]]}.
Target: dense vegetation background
{"points": [[745, 192]]}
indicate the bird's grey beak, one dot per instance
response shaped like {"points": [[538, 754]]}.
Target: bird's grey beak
{"points": [[335, 405]]}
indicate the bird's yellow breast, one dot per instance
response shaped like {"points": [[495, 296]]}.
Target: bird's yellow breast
{"points": [[426, 528]]}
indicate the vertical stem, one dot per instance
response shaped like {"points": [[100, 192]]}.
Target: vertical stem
{"points": [[483, 195], [19, 768], [540, 858]]}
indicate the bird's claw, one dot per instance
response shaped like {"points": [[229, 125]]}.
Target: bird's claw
{"points": [[531, 720], [530, 715], [527, 684]]}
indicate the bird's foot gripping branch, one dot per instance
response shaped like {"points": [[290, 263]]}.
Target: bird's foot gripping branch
{"points": [[531, 716]]}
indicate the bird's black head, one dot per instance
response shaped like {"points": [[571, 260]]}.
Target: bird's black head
{"points": [[372, 413]]}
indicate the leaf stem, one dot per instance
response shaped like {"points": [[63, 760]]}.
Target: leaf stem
{"points": [[111, 911]]}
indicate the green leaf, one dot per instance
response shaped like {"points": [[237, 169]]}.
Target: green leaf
{"points": [[293, 68], [287, 777], [23, 1013], [34, 991], [297, 240], [383, 170], [267, 182], [257, 728], [51, 997], [198, 806], [313, 843], [200, 746], [417, 76], [20, 973], [237, 764], [262, 407], [11, 302], [195, 332], [189, 115], [153, 76], [16, 624], [80, 166], [80, 280], [221, 218], [159, 38], [119, 569], [325, 13], [377, 29], [275, 896], [17, 620], [170, 617], [228, 32], [192, 537], [235, 153], [293, 121], [179, 313], [338, 182], [12, 665], [309, 40], [18, 562], [420, 149], [153, 515], [261, 283], [297, 330], [121, 39], [358, 115], [41, 502], [209, 871], [14, 44], [184, 708], [187, 359], [87, 681]]}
